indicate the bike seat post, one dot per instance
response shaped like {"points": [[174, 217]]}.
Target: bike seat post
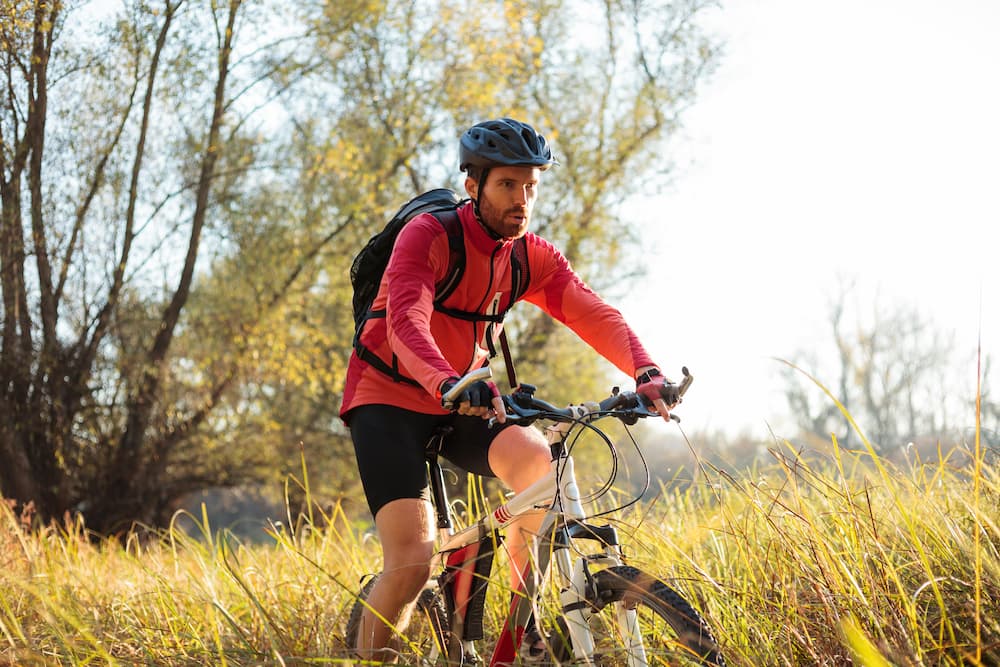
{"points": [[439, 494]]}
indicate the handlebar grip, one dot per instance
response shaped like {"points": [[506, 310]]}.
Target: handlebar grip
{"points": [[464, 382]]}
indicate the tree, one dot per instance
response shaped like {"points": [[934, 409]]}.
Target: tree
{"points": [[86, 336], [892, 372], [610, 102], [638, 72], [180, 207]]}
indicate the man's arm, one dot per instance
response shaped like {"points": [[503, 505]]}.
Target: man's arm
{"points": [[419, 259], [560, 292]]}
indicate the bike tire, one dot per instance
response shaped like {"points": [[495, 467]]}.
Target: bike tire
{"points": [[427, 636], [673, 632]]}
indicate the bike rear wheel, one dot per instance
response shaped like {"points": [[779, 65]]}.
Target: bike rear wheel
{"points": [[425, 640], [672, 632]]}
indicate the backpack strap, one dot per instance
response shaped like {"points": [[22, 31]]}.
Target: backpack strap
{"points": [[520, 271], [456, 269], [520, 276], [376, 362], [508, 361], [456, 254]]}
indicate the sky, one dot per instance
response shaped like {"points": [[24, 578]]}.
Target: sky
{"points": [[855, 139]]}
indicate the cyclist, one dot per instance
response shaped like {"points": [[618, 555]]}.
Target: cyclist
{"points": [[392, 418]]}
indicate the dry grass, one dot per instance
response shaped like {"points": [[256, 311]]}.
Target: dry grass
{"points": [[833, 560]]}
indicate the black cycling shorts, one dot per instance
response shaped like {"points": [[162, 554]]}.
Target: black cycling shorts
{"points": [[389, 444]]}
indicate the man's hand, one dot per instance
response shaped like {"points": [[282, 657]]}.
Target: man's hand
{"points": [[480, 399], [657, 390]]}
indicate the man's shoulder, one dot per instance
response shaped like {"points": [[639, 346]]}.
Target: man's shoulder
{"points": [[539, 244], [422, 229]]}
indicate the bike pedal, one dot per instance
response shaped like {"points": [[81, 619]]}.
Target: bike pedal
{"points": [[534, 648]]}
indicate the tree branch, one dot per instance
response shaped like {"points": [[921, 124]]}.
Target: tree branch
{"points": [[103, 319]]}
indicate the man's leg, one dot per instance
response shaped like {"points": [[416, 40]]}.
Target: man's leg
{"points": [[520, 456], [389, 447], [406, 531]]}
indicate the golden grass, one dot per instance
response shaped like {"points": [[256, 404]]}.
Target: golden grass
{"points": [[823, 560], [821, 563]]}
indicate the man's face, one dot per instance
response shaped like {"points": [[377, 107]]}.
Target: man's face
{"points": [[507, 199]]}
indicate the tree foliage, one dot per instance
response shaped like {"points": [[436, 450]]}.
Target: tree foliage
{"points": [[183, 189]]}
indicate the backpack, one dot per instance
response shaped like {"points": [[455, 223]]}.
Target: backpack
{"points": [[369, 265]]}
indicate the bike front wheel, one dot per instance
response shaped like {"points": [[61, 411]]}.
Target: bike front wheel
{"points": [[636, 619]]}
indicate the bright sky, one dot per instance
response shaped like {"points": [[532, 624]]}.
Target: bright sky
{"points": [[859, 137]]}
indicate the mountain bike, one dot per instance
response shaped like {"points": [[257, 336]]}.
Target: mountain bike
{"points": [[590, 608]]}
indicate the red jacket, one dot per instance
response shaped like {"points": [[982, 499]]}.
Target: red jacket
{"points": [[432, 346]]}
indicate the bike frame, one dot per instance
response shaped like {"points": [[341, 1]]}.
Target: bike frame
{"points": [[465, 557]]}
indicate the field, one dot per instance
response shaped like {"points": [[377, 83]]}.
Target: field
{"points": [[840, 559]]}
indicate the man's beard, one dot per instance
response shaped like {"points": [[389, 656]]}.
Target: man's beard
{"points": [[496, 220]]}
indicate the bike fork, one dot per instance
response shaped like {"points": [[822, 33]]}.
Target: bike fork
{"points": [[627, 622], [577, 601], [574, 604], [578, 598]]}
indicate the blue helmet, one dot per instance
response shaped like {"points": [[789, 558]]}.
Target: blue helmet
{"points": [[504, 142]]}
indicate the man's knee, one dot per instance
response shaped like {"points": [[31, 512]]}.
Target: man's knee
{"points": [[406, 532], [405, 577], [520, 456]]}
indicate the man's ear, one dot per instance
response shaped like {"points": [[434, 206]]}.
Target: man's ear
{"points": [[471, 187]]}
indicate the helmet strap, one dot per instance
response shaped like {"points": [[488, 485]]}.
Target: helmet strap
{"points": [[484, 172]]}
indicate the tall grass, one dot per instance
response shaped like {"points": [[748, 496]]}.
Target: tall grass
{"points": [[177, 600], [836, 559], [852, 559]]}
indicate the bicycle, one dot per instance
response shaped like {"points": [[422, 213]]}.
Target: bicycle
{"points": [[607, 612]]}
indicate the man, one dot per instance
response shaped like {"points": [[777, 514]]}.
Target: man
{"points": [[391, 420]]}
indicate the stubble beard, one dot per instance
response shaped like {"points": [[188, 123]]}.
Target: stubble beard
{"points": [[496, 220]]}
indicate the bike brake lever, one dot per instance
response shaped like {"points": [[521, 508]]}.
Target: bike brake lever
{"points": [[686, 382], [515, 413], [682, 389]]}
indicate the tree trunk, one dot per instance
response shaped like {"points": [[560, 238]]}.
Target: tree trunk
{"points": [[122, 499]]}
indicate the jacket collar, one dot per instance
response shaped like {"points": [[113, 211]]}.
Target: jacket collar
{"points": [[476, 234]]}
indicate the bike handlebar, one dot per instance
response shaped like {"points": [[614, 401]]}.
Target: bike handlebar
{"points": [[628, 406], [524, 408]]}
